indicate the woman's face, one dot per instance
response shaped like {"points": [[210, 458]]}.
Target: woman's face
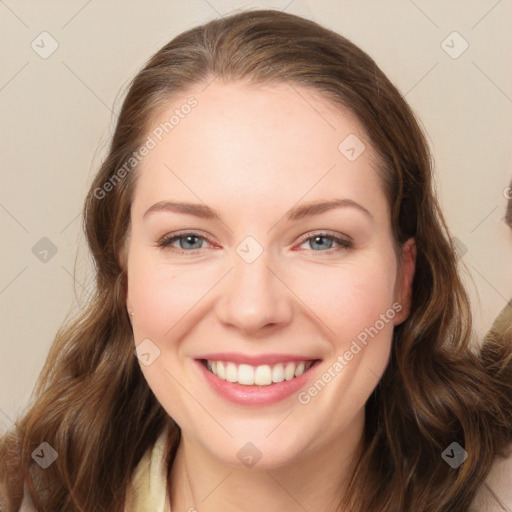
{"points": [[268, 278]]}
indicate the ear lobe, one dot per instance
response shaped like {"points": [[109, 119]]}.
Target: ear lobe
{"points": [[129, 308], [403, 294]]}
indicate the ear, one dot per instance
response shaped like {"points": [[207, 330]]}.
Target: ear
{"points": [[403, 284]]}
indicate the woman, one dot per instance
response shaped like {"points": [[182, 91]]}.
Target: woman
{"points": [[279, 323]]}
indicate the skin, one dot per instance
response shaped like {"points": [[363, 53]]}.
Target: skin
{"points": [[252, 154]]}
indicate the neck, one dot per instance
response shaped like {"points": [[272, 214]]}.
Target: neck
{"points": [[311, 481]]}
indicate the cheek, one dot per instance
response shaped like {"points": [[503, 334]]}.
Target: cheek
{"points": [[349, 297], [356, 303], [161, 296]]}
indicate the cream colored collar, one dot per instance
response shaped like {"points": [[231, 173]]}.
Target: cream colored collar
{"points": [[148, 489]]}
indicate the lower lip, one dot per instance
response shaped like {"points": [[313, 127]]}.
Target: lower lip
{"points": [[255, 395]]}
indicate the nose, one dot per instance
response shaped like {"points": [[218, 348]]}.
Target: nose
{"points": [[255, 299]]}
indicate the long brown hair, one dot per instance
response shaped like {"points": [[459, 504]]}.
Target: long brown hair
{"points": [[92, 403]]}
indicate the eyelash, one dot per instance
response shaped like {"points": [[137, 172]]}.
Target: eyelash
{"points": [[166, 241]]}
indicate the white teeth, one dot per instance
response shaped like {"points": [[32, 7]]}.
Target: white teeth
{"points": [[220, 370], [289, 371], [278, 373], [246, 374], [263, 375], [231, 372]]}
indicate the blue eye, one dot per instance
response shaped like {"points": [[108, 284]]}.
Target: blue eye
{"points": [[191, 242], [318, 240], [186, 240]]}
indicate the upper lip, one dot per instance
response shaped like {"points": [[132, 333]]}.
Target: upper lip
{"points": [[255, 360]]}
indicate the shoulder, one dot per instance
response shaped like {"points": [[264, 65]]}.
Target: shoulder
{"points": [[147, 491], [502, 324], [495, 495]]}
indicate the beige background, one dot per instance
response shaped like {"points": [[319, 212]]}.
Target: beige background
{"points": [[56, 121]]}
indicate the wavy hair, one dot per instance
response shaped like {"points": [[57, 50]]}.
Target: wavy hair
{"points": [[92, 403]]}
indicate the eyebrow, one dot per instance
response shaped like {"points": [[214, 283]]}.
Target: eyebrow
{"points": [[296, 213]]}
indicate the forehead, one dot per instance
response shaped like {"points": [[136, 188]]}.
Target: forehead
{"points": [[258, 143]]}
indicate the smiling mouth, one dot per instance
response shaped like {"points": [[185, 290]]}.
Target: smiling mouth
{"points": [[261, 375]]}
